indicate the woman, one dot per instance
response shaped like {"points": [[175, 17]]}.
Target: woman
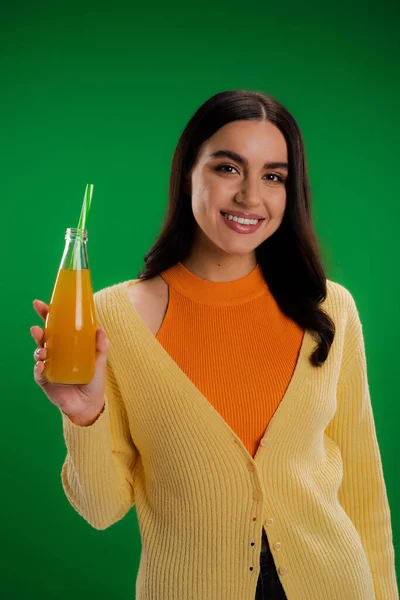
{"points": [[248, 449]]}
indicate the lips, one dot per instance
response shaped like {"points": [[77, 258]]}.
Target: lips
{"points": [[239, 228]]}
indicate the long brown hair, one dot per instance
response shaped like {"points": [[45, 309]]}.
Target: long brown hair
{"points": [[290, 259]]}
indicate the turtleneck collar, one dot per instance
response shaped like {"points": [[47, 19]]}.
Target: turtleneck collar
{"points": [[204, 291]]}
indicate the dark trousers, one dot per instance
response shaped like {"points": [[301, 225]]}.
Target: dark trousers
{"points": [[269, 586]]}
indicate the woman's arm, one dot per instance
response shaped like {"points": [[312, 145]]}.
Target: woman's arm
{"points": [[97, 475], [363, 492]]}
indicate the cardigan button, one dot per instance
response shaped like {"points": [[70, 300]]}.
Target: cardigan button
{"points": [[263, 442], [277, 546], [283, 570], [270, 522]]}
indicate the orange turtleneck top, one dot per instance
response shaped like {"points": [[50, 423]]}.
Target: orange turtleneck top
{"points": [[234, 343]]}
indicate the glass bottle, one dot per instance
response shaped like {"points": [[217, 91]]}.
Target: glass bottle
{"points": [[70, 327]]}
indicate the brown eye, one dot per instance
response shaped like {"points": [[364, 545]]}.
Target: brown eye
{"points": [[220, 167], [280, 179]]}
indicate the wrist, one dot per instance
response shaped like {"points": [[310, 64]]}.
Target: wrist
{"points": [[87, 418]]}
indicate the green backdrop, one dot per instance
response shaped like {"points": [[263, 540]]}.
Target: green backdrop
{"points": [[100, 92]]}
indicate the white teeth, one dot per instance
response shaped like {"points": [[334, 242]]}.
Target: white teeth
{"points": [[240, 220]]}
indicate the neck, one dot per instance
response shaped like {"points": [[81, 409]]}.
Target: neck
{"points": [[220, 269]]}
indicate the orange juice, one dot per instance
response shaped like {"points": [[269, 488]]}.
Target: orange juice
{"points": [[70, 329]]}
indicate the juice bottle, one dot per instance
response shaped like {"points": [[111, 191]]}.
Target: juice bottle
{"points": [[70, 327]]}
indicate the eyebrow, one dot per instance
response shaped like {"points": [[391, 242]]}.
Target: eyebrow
{"points": [[241, 160]]}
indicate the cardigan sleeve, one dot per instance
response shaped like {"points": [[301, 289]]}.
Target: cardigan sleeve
{"points": [[97, 475], [363, 493]]}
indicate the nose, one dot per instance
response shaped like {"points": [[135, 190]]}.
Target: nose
{"points": [[249, 194]]}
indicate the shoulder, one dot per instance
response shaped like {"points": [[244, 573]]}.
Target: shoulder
{"points": [[150, 300], [339, 295], [341, 305], [146, 291], [135, 288], [106, 294], [106, 303]]}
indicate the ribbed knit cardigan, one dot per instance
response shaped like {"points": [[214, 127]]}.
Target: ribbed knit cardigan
{"points": [[315, 484]]}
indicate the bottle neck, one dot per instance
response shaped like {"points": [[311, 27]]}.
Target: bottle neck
{"points": [[74, 233], [75, 251]]}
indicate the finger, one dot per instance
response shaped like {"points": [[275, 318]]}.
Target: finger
{"points": [[41, 308], [40, 354], [38, 335], [38, 373]]}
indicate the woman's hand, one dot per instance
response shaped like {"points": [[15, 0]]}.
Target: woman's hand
{"points": [[81, 403]]}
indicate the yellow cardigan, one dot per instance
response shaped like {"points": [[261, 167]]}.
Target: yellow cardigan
{"points": [[316, 483]]}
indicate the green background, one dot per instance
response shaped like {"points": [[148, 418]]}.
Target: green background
{"points": [[100, 92]]}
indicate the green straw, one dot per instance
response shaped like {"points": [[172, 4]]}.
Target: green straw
{"points": [[87, 200]]}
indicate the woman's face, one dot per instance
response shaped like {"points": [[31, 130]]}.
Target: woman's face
{"points": [[227, 183]]}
